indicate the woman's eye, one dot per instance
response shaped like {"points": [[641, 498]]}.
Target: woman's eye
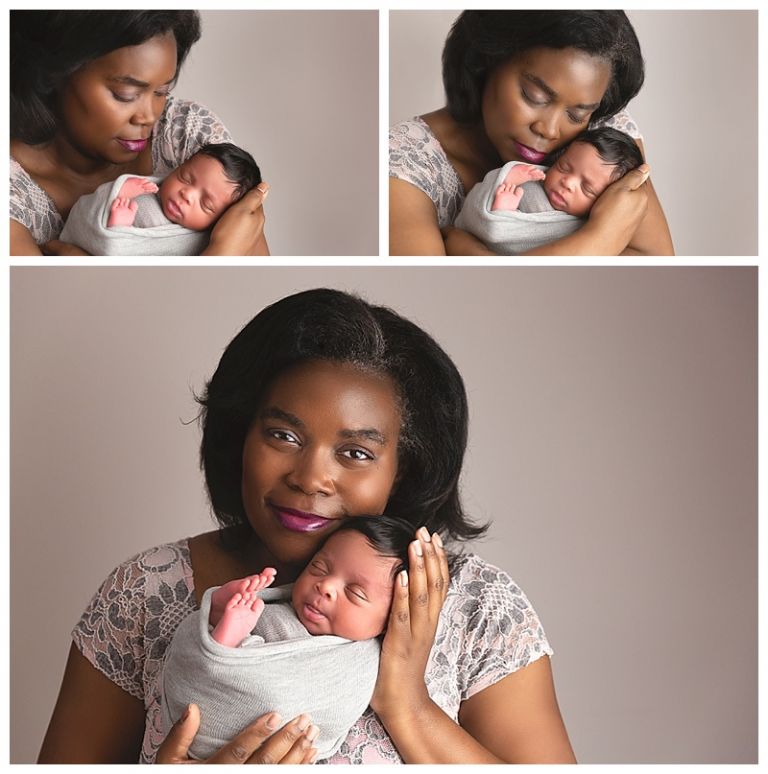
{"points": [[576, 118], [282, 435], [124, 97], [533, 99], [358, 455]]}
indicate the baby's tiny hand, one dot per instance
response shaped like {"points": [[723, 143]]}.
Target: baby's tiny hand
{"points": [[122, 212]]}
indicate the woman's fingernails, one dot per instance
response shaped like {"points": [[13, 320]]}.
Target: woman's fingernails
{"points": [[437, 540], [273, 721], [417, 548], [302, 722], [185, 715], [403, 578], [423, 533], [312, 733]]}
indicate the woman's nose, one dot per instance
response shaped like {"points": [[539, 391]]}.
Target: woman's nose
{"points": [[311, 474], [145, 113], [547, 125]]}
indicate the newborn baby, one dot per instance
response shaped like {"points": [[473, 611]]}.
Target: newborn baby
{"points": [[172, 216], [520, 207], [584, 169], [194, 195], [312, 647]]}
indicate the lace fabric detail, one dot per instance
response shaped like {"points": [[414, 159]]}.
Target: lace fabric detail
{"points": [[181, 130], [487, 630], [416, 156]]}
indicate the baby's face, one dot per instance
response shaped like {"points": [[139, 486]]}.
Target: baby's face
{"points": [[576, 179], [196, 193], [346, 589]]}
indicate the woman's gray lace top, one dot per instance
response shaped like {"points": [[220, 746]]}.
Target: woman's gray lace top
{"points": [[487, 630], [416, 156], [182, 128]]}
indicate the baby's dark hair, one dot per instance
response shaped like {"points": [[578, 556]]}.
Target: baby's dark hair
{"points": [[239, 166], [614, 147], [387, 535]]}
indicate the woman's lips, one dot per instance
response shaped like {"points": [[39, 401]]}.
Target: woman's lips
{"points": [[133, 146], [531, 155], [299, 521]]}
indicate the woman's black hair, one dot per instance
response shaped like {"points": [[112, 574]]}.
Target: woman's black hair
{"points": [[387, 536], [47, 47], [324, 324], [480, 41], [239, 166], [614, 147]]}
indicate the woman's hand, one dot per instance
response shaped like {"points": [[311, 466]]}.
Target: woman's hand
{"points": [[240, 230], [417, 601], [262, 742], [57, 247], [620, 209]]}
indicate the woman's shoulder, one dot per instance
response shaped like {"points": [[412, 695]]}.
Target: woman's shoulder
{"points": [[417, 157], [31, 206], [623, 122], [182, 129]]}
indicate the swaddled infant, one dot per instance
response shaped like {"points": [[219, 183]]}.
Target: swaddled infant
{"points": [[195, 195], [311, 648], [163, 216], [520, 207]]}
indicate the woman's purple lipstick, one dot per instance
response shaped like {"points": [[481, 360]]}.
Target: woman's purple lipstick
{"points": [[299, 521], [531, 155], [133, 146]]}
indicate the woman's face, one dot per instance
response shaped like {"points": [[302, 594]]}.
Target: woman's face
{"points": [[541, 99], [109, 106], [322, 447]]}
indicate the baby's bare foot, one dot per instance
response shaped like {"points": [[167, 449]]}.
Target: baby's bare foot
{"points": [[251, 583], [240, 616], [137, 186], [122, 212]]}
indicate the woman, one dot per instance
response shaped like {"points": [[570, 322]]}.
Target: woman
{"points": [[519, 85], [90, 100], [321, 408]]}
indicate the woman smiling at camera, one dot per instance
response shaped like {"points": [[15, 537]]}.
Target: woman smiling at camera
{"points": [[520, 85], [90, 101], [325, 407]]}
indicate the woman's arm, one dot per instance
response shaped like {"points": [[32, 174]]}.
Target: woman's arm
{"points": [[413, 224], [240, 230], [22, 242], [94, 720]]}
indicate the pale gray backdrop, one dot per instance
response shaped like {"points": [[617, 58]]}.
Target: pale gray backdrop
{"points": [[697, 112], [613, 443], [300, 91]]}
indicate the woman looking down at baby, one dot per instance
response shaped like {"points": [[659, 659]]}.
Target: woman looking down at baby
{"points": [[520, 85], [90, 101]]}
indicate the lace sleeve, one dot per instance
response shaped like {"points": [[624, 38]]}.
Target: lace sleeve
{"points": [[31, 206], [416, 156], [110, 633], [621, 121], [504, 633], [182, 129]]}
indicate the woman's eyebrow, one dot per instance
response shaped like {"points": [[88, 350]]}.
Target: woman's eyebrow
{"points": [[550, 92], [129, 80], [273, 412], [365, 433]]}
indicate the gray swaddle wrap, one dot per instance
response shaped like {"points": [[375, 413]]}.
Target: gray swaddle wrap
{"points": [[330, 678], [512, 232], [86, 227]]}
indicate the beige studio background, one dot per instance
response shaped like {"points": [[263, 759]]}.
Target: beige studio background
{"points": [[697, 112], [300, 91], [613, 442]]}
